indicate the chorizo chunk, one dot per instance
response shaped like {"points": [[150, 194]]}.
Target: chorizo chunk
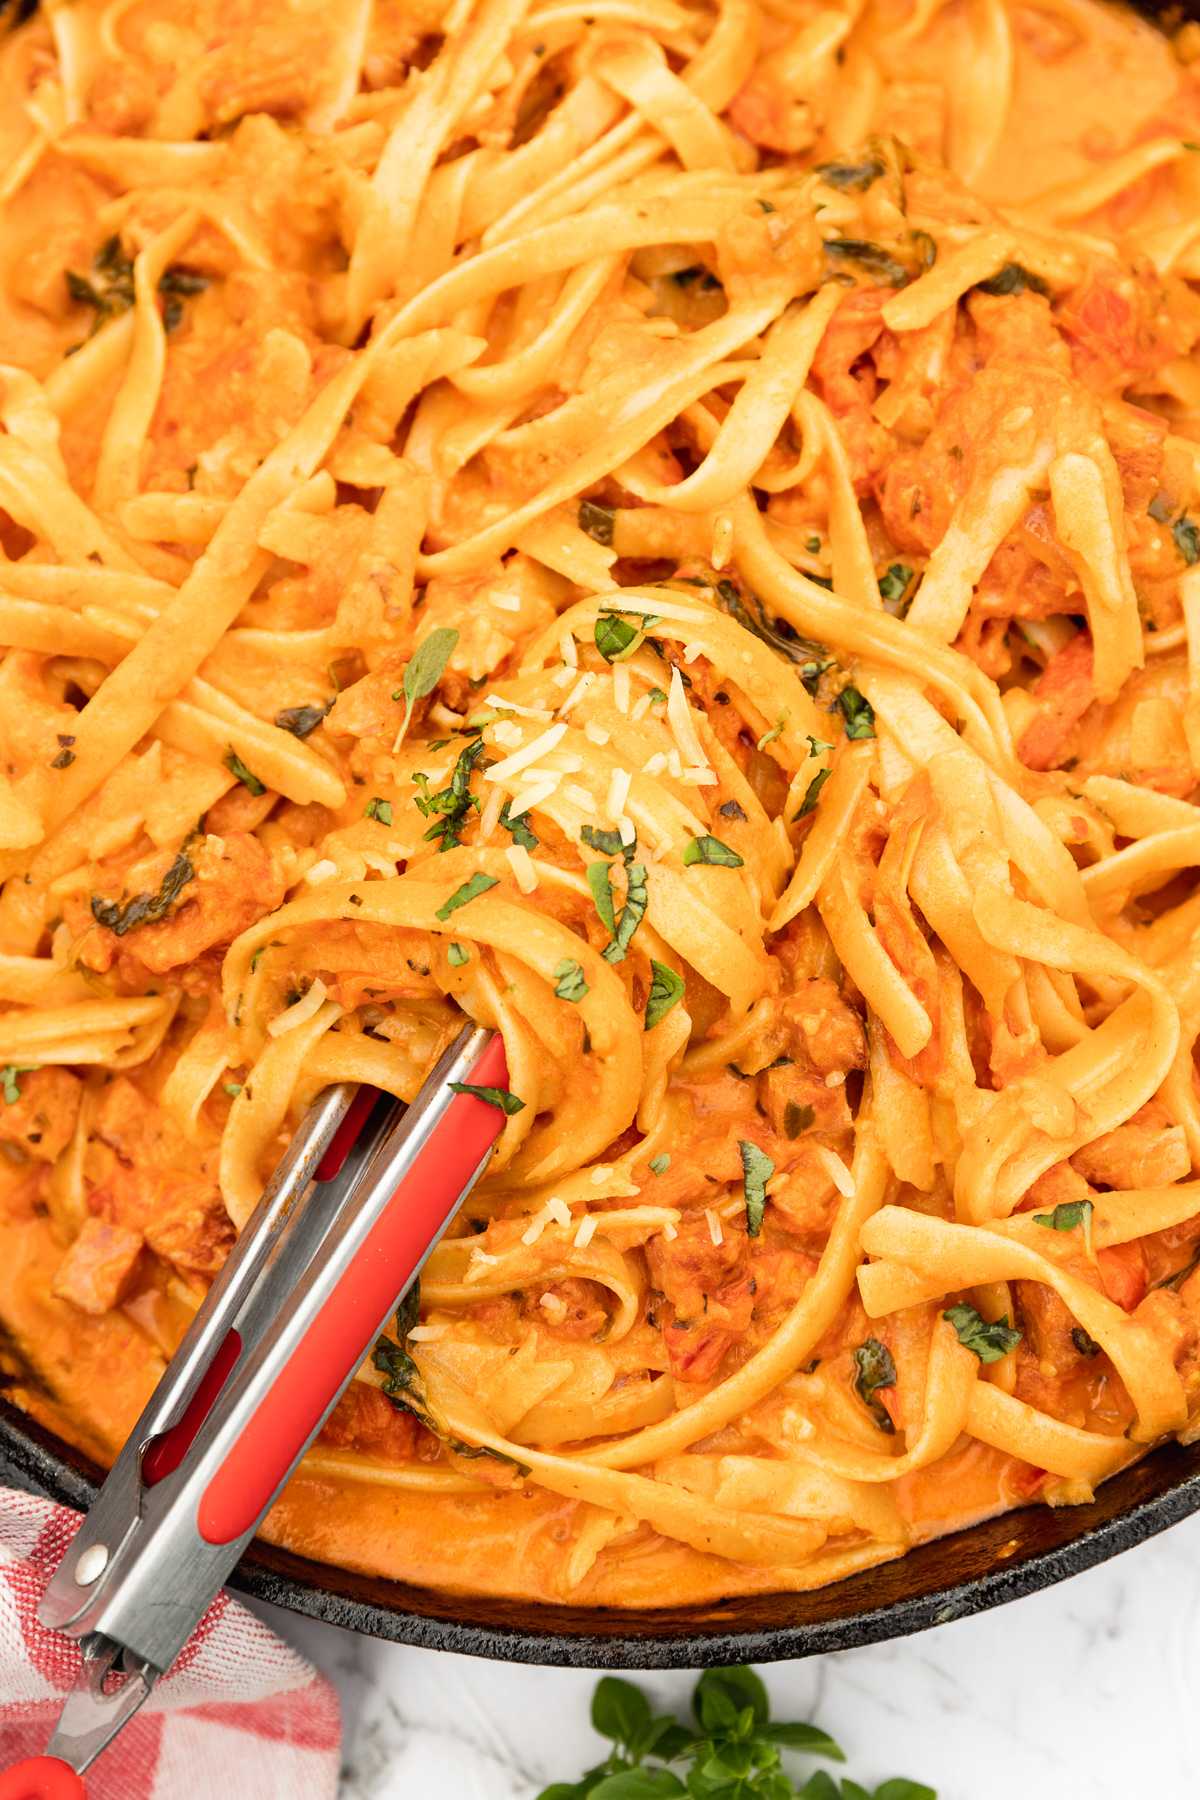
{"points": [[98, 1269]]}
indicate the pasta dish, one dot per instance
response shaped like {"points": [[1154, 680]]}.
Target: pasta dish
{"points": [[671, 529]]}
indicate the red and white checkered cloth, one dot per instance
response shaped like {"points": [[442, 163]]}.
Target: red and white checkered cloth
{"points": [[239, 1714]]}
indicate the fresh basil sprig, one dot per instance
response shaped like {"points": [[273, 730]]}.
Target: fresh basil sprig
{"points": [[666, 991], [569, 982], [425, 670], [757, 1170], [507, 1103], [1069, 1216], [733, 1753], [989, 1342]]}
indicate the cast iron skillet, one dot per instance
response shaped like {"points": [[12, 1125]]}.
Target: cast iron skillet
{"points": [[965, 1573], [958, 1575]]}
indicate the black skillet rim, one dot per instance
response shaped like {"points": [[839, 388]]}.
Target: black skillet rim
{"points": [[968, 1572]]}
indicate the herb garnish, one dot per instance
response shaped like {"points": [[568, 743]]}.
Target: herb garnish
{"points": [[8, 1080], [301, 721], [378, 809], [453, 802], [812, 794], [1014, 278], [876, 1370], [1069, 1217], [425, 670], [599, 879], [797, 1118], [757, 1170], [710, 850], [892, 585], [470, 890], [989, 1342], [731, 810], [236, 766], [569, 982], [597, 521], [143, 909], [498, 1097], [666, 991], [1187, 539], [658, 1165], [734, 1755], [404, 1387], [858, 713], [457, 955], [519, 827]]}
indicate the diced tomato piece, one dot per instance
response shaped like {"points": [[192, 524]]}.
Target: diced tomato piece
{"points": [[1064, 692]]}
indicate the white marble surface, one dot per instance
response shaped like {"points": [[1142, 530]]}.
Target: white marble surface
{"points": [[1086, 1692]]}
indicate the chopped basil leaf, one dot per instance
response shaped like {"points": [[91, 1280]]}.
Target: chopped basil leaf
{"points": [[851, 178], [797, 1118], [876, 1370], [816, 744], [872, 257], [892, 586], [731, 810], [615, 637], [378, 809], [597, 521], [711, 850], [236, 766], [1069, 1217], [757, 1170], [301, 721], [452, 803], [769, 737], [1014, 278], [521, 834], [426, 668], [608, 843], [232, 1088], [666, 991], [600, 882], [657, 697], [143, 909], [989, 1342], [813, 546], [507, 1103], [569, 983], [470, 890], [457, 955], [858, 713], [812, 794], [1160, 508], [1187, 540], [659, 1165]]}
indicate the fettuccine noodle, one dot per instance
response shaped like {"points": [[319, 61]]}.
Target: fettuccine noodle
{"points": [[671, 529]]}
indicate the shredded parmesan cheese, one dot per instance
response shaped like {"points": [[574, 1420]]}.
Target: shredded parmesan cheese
{"points": [[674, 765], [586, 680], [506, 602], [655, 764], [533, 796], [596, 734], [427, 1334], [554, 1306], [621, 687], [601, 1175], [562, 677], [489, 818], [836, 1170], [618, 793], [691, 651], [522, 867], [301, 1012], [559, 1211], [625, 828], [669, 1231], [536, 1226], [567, 650], [586, 1232], [714, 1226], [526, 712], [380, 864], [321, 871], [579, 796], [640, 708], [524, 759], [679, 717], [506, 733]]}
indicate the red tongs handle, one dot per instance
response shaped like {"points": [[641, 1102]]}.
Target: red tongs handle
{"points": [[402, 1236], [42, 1778]]}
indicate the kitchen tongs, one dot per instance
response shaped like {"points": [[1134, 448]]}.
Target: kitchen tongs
{"points": [[362, 1195]]}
